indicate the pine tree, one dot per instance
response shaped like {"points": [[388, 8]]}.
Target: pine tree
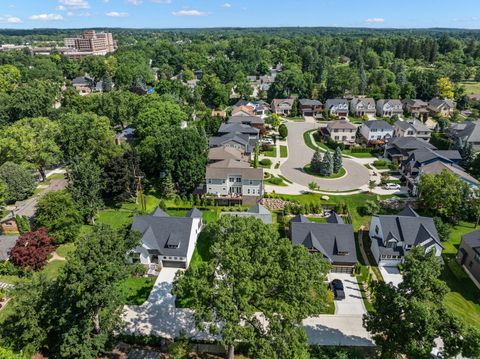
{"points": [[316, 162], [337, 160], [326, 169], [168, 188]]}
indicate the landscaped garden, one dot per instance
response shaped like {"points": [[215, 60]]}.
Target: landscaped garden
{"points": [[283, 151], [340, 173]]}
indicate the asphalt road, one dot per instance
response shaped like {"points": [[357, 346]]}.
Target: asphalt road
{"points": [[300, 155]]}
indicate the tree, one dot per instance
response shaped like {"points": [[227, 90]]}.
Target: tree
{"points": [[120, 177], [337, 160], [326, 168], [214, 93], [23, 224], [18, 181], [254, 276], [3, 192], [408, 319], [444, 229], [32, 142], [32, 249], [283, 131], [85, 185], [167, 187], [445, 88], [312, 186], [95, 67], [371, 185], [316, 162], [274, 120], [10, 77], [58, 213]]}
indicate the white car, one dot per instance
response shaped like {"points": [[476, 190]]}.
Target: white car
{"points": [[392, 186], [267, 141]]}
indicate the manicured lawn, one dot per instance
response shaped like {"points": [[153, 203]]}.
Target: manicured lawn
{"points": [[114, 218], [318, 219], [271, 152], [283, 151], [136, 290], [357, 154], [202, 251], [10, 279], [64, 250], [52, 269], [458, 231], [275, 181], [340, 173], [471, 87], [307, 138], [285, 179]]}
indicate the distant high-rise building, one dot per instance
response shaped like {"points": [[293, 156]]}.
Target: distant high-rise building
{"points": [[90, 43]]}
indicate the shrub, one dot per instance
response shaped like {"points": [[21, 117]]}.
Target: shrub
{"points": [[283, 131], [369, 208], [380, 163], [266, 162], [137, 270], [32, 249], [266, 147], [276, 181]]}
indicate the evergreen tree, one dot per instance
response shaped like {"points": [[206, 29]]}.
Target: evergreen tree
{"points": [[167, 187], [326, 168], [316, 162], [337, 160]]}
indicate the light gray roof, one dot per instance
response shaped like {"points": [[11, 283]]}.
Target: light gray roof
{"points": [[299, 218], [6, 244], [158, 212], [235, 137], [391, 102], [410, 143], [437, 167], [468, 130], [415, 103], [164, 235], [226, 168], [308, 102], [335, 102], [415, 124], [341, 124], [194, 213], [472, 239], [258, 211], [378, 125], [238, 128], [224, 153], [335, 241], [436, 103], [278, 101], [249, 120]]}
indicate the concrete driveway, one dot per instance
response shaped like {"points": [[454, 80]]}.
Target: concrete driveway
{"points": [[353, 302], [391, 275], [300, 154]]}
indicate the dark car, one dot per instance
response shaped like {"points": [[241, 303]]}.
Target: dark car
{"points": [[337, 289]]}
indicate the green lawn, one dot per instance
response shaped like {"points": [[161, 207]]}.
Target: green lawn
{"points": [[283, 151], [271, 152], [136, 290], [340, 173], [471, 87], [52, 269], [64, 250], [275, 181], [114, 218], [285, 179], [357, 154], [307, 138]]}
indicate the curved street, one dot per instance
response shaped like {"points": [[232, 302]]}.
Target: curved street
{"points": [[300, 154]]}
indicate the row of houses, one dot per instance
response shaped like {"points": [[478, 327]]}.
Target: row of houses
{"points": [[363, 106]]}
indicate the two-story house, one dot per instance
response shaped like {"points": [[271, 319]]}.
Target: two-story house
{"points": [[399, 148], [338, 107], [233, 181], [416, 108], [441, 107], [468, 255], [376, 131], [341, 131], [360, 106], [389, 108], [465, 132], [254, 121], [310, 107], [166, 241], [412, 128], [238, 141], [282, 107], [393, 236], [226, 128]]}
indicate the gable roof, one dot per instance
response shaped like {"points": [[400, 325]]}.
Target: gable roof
{"points": [[258, 211], [248, 110], [438, 167], [469, 130], [415, 124], [224, 153], [226, 168], [308, 102], [426, 155], [408, 212], [341, 124], [378, 125], [335, 218], [391, 102], [158, 212], [239, 128], [436, 103], [278, 101], [194, 213], [233, 136], [410, 143], [250, 120], [335, 102], [472, 239]]}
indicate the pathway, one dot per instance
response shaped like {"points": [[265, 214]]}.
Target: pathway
{"points": [[6, 285]]}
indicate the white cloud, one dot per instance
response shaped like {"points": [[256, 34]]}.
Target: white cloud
{"points": [[162, 1], [8, 19], [75, 4], [135, 2], [189, 13], [117, 14], [375, 20], [47, 17], [227, 5], [60, 8]]}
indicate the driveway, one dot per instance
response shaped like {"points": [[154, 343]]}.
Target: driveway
{"points": [[391, 275], [300, 154], [353, 302]]}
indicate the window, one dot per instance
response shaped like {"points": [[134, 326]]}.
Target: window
{"points": [[337, 137], [239, 179], [231, 179], [248, 191], [209, 181]]}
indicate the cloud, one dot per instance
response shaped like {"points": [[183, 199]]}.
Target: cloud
{"points": [[8, 19], [60, 8], [47, 17], [162, 1], [375, 20], [75, 4], [135, 2], [117, 14], [189, 13], [227, 5]]}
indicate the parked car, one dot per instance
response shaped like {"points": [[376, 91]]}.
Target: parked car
{"points": [[337, 289], [267, 141], [392, 186]]}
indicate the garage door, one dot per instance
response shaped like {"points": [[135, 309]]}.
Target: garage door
{"points": [[173, 264], [348, 270]]}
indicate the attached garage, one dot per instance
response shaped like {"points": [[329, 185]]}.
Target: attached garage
{"points": [[174, 264], [342, 269]]}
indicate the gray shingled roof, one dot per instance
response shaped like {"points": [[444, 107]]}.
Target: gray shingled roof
{"points": [[341, 124], [335, 101], [238, 128], [225, 168], [472, 239], [308, 102], [250, 120], [335, 218], [426, 155], [417, 125], [258, 211], [378, 125], [331, 239], [224, 153], [437, 102], [6, 244], [235, 137], [410, 143]]}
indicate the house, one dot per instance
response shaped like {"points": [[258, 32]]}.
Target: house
{"points": [[126, 135], [376, 131], [244, 110], [468, 255], [258, 211], [6, 244], [261, 108], [217, 154], [226, 128], [399, 148], [341, 131], [234, 182], [412, 128], [219, 113], [337, 107], [416, 108], [465, 132], [393, 236], [310, 107], [389, 108], [238, 141], [8, 224], [360, 106], [441, 107], [265, 82], [282, 107], [253, 121], [166, 241], [334, 240]]}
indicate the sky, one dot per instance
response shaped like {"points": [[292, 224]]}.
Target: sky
{"points": [[27, 14]]}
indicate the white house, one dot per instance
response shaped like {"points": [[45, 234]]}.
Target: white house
{"points": [[389, 108], [376, 130], [167, 241], [412, 128]]}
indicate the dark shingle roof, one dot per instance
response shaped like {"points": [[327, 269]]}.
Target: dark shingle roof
{"points": [[238, 128], [233, 136], [410, 143], [378, 125], [472, 239], [250, 120]]}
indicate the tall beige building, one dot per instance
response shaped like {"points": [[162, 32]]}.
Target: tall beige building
{"points": [[91, 42]]}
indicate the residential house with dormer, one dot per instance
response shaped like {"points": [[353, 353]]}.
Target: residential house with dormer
{"points": [[360, 106], [441, 107], [389, 108], [412, 128], [338, 107]]}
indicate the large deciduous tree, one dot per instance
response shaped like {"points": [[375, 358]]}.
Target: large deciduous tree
{"points": [[32, 249], [256, 289], [120, 176], [9, 78], [58, 213], [19, 183]]}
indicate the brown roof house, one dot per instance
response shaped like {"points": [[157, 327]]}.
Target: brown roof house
{"points": [[341, 131], [282, 106]]}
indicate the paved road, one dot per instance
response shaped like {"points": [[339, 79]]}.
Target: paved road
{"points": [[300, 154]]}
